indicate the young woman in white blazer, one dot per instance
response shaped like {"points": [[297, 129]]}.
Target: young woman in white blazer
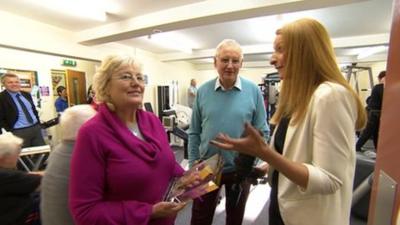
{"points": [[312, 152]]}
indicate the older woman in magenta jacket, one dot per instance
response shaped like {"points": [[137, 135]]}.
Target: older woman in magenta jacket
{"points": [[122, 162]]}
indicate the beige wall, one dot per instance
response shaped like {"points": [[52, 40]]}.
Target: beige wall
{"points": [[42, 64], [159, 74]]}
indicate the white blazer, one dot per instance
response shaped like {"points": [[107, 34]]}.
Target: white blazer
{"points": [[325, 143]]}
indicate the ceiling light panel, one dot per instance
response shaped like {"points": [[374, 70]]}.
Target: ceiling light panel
{"points": [[172, 40], [90, 9]]}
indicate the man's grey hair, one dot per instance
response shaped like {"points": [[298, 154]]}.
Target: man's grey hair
{"points": [[9, 143], [4, 76], [73, 118], [228, 43]]}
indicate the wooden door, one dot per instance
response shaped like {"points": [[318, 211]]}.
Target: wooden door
{"points": [[76, 87]]}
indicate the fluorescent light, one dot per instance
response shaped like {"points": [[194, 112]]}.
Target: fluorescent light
{"points": [[95, 10], [366, 52], [173, 40], [264, 28]]}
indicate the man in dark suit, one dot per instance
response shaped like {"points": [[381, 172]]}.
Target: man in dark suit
{"points": [[18, 113]]}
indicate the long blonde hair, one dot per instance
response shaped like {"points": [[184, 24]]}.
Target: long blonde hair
{"points": [[310, 61]]}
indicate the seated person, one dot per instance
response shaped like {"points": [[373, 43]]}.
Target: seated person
{"points": [[19, 199], [54, 196]]}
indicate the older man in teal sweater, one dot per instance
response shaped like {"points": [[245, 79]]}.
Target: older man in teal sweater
{"points": [[224, 104]]}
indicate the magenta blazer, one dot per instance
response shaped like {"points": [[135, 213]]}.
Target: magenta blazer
{"points": [[116, 178]]}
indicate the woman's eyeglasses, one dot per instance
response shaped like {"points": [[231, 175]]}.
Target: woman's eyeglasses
{"points": [[127, 77]]}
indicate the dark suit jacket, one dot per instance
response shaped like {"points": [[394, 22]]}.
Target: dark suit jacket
{"points": [[375, 102], [9, 110]]}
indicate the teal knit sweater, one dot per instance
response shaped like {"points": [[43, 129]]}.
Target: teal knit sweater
{"points": [[216, 111]]}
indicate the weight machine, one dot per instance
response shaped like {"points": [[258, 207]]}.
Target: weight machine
{"points": [[270, 93], [353, 71], [176, 121]]}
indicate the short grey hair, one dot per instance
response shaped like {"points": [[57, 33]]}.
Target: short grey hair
{"points": [[4, 76], [104, 73], [73, 118], [228, 43], [9, 144]]}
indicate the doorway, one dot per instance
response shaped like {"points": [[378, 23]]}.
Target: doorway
{"points": [[76, 87]]}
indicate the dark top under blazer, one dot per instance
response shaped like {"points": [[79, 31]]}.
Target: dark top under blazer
{"points": [[9, 110]]}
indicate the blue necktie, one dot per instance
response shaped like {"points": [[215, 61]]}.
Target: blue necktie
{"points": [[24, 109]]}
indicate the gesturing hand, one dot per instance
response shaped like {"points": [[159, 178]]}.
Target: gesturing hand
{"points": [[252, 142]]}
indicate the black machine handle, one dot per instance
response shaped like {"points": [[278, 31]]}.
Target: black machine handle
{"points": [[50, 123]]}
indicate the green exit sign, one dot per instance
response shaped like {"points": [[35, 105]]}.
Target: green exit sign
{"points": [[68, 62]]}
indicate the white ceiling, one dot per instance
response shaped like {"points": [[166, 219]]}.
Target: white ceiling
{"points": [[352, 24]]}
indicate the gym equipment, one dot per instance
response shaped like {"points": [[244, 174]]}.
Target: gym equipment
{"points": [[167, 97], [50, 123], [176, 121], [362, 189], [270, 93], [353, 71]]}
